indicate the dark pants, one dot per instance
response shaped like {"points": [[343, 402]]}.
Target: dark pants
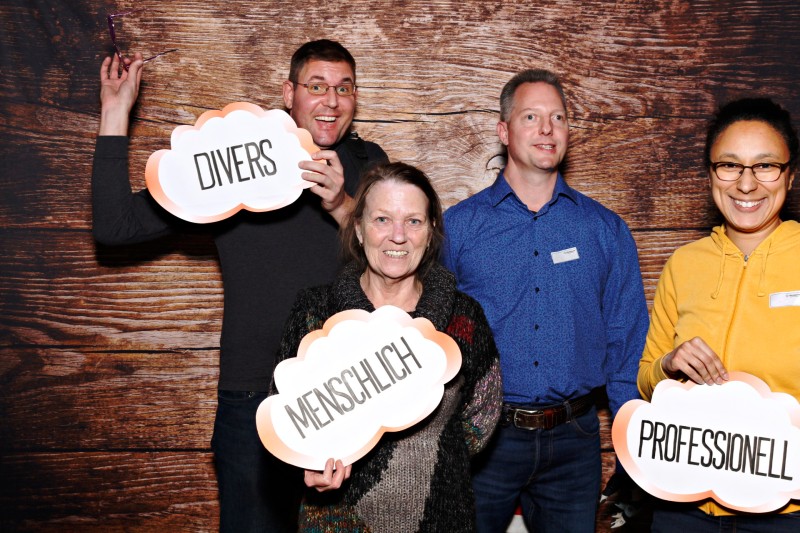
{"points": [[685, 518], [257, 492], [554, 474]]}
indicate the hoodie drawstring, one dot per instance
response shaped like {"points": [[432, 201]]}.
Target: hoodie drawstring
{"points": [[762, 280], [721, 271]]}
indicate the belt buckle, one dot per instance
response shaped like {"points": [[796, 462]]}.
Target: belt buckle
{"points": [[525, 412]]}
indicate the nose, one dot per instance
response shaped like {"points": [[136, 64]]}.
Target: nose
{"points": [[747, 182], [331, 99], [546, 127], [399, 232]]}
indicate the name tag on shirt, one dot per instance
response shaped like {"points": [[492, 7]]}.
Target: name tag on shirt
{"points": [[562, 256], [785, 299]]}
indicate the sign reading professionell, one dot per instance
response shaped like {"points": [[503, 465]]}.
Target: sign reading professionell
{"points": [[359, 376], [241, 157], [738, 443]]}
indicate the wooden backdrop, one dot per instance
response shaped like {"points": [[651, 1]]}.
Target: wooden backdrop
{"points": [[109, 355]]}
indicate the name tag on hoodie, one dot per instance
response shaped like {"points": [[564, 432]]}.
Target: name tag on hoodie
{"points": [[785, 299], [562, 256]]}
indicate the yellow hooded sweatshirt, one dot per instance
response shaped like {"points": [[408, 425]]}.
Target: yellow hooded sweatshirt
{"points": [[747, 309]]}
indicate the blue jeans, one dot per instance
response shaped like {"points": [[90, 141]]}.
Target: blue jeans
{"points": [[257, 492], [686, 517], [554, 474]]}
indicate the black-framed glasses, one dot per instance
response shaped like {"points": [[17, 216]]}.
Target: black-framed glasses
{"points": [[319, 88], [764, 172], [113, 34]]}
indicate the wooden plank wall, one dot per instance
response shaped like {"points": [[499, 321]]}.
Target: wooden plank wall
{"points": [[109, 355]]}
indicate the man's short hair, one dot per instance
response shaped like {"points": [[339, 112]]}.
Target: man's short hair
{"points": [[321, 50], [527, 76]]}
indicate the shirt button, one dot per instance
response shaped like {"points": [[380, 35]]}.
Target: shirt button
{"points": [[536, 253], [536, 363], [536, 289], [536, 327]]}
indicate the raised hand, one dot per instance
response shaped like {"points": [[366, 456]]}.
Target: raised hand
{"points": [[119, 89]]}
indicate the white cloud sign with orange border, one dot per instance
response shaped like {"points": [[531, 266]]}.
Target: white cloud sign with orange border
{"points": [[240, 157], [738, 443], [361, 375]]}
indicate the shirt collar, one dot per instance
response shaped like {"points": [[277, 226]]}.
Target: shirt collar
{"points": [[500, 190]]}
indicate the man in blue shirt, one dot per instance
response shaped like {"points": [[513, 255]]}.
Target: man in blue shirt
{"points": [[558, 277]]}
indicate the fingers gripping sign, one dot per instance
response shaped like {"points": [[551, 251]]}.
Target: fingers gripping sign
{"points": [[327, 174], [329, 479], [697, 361]]}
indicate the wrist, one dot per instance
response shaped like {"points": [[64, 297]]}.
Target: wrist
{"points": [[113, 123], [665, 365]]}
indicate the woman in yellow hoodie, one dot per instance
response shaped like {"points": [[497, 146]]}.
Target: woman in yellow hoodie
{"points": [[731, 301]]}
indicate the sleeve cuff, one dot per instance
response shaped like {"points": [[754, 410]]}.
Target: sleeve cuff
{"points": [[111, 146]]}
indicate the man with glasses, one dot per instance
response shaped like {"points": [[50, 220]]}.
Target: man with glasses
{"points": [[558, 277], [265, 259]]}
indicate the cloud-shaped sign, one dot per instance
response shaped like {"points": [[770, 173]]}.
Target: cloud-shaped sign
{"points": [[241, 157], [361, 375], [738, 443]]}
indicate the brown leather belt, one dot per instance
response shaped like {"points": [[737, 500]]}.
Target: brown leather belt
{"points": [[546, 417]]}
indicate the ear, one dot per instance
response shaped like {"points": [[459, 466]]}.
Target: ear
{"points": [[790, 181], [288, 94], [502, 132], [358, 232]]}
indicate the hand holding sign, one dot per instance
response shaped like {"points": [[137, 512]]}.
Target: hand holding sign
{"points": [[738, 443], [239, 158], [331, 478], [361, 375]]}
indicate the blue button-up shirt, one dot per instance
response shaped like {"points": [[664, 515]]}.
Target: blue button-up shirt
{"points": [[561, 288]]}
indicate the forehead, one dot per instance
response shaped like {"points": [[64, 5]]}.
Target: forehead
{"points": [[537, 95], [331, 71], [391, 193], [750, 136]]}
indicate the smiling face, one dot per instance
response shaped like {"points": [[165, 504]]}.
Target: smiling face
{"points": [[751, 208], [536, 132], [394, 231], [327, 117]]}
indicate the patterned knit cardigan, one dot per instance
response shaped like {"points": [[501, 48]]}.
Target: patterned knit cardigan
{"points": [[417, 479]]}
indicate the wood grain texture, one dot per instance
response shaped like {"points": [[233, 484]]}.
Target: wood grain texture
{"points": [[60, 289], [108, 356], [66, 399], [108, 491]]}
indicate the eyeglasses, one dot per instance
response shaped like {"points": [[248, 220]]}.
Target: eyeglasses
{"points": [[113, 34], [764, 172], [319, 88]]}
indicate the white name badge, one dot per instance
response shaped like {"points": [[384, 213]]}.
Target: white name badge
{"points": [[562, 256], [785, 299]]}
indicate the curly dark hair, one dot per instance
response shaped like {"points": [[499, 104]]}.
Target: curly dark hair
{"points": [[758, 109]]}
